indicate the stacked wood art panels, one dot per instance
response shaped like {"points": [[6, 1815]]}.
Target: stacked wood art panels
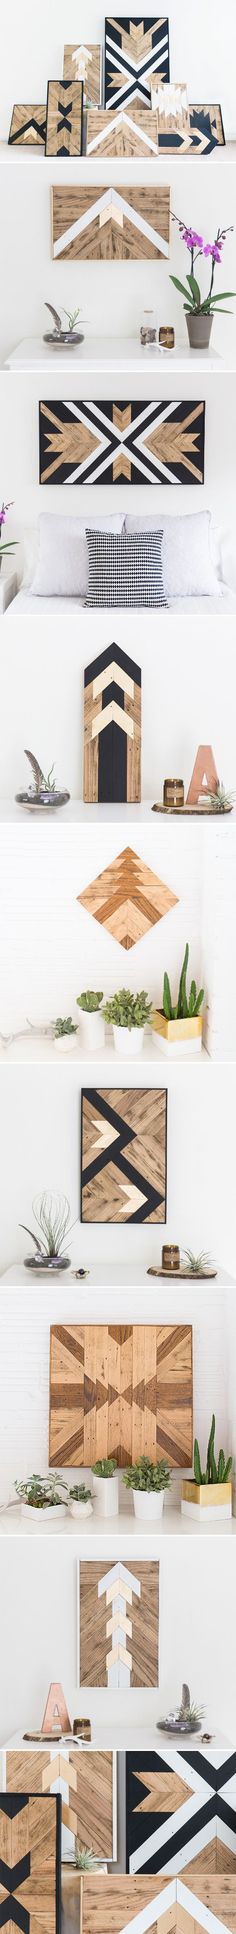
{"points": [[127, 131], [118, 1391], [166, 1906], [112, 728], [106, 443], [87, 1784], [111, 224], [123, 1160], [118, 1624], [30, 1850], [180, 1813]]}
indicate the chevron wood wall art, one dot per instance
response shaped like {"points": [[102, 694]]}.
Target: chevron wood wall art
{"points": [[87, 1784], [205, 777], [135, 50], [106, 443], [166, 1906], [85, 64], [116, 1391], [124, 1155], [205, 133], [30, 1851], [127, 131], [111, 224], [28, 127], [64, 125], [180, 1813], [127, 898], [118, 1624], [112, 728], [172, 106]]}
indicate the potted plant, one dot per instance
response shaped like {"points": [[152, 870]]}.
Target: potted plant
{"points": [[106, 1486], [6, 550], [200, 309], [186, 1718], [91, 1021], [43, 793], [58, 337], [127, 1013], [63, 1034], [52, 1216], [42, 1494], [179, 1025], [80, 1502], [147, 1482], [209, 1493]]}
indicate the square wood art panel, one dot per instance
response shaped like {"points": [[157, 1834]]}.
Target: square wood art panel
{"points": [[28, 127], [167, 1906], [30, 1863], [135, 50], [127, 898], [64, 118], [87, 1784], [85, 64], [180, 1813], [118, 1624], [119, 1391], [124, 1155], [111, 224], [130, 131], [112, 728], [106, 443]]}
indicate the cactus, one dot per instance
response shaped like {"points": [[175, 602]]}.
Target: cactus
{"points": [[185, 1009], [214, 1473]]}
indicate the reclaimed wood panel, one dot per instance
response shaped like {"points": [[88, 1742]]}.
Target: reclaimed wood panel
{"points": [[85, 64], [99, 1409], [110, 1903], [218, 1895], [106, 443], [124, 1157], [64, 126], [86, 1782], [127, 898], [171, 104], [28, 126], [135, 50], [112, 728], [182, 1815], [111, 224], [205, 133], [129, 131], [118, 1624], [30, 1851]]}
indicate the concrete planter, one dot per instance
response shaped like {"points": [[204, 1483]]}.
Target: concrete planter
{"points": [[199, 331], [206, 1501]]}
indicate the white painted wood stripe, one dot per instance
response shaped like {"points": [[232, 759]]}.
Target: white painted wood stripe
{"points": [[114, 673], [115, 202], [152, 1912], [162, 1836], [122, 120], [112, 714], [117, 1572], [198, 1911]]}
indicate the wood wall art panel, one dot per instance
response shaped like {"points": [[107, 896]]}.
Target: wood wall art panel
{"points": [[64, 118], [85, 64], [205, 133], [179, 1809], [128, 131], [171, 104], [205, 777], [127, 898], [30, 1860], [113, 1905], [118, 1392], [111, 224], [135, 50], [131, 443], [124, 1155], [118, 1624], [87, 1784], [112, 728], [28, 127]]}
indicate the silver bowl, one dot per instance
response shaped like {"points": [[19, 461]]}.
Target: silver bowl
{"points": [[42, 800], [46, 1265], [68, 339]]}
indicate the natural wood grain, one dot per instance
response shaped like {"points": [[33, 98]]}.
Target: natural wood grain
{"points": [[170, 102], [112, 728], [129, 1182], [109, 1903], [154, 442], [87, 1804], [64, 118], [98, 1630], [128, 131], [28, 126], [85, 64], [30, 1853], [217, 1894], [127, 898], [163, 1792], [111, 224], [135, 50], [120, 1391], [205, 777]]}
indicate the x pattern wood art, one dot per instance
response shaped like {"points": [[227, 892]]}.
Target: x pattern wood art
{"points": [[134, 51], [205, 778], [111, 224], [85, 64], [118, 1624], [106, 443], [181, 1813], [28, 127], [166, 1906], [128, 131], [123, 1157], [64, 118], [87, 1785], [127, 898], [112, 728], [119, 1391], [30, 1863]]}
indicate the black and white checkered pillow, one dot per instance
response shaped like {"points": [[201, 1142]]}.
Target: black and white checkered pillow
{"points": [[125, 569]]}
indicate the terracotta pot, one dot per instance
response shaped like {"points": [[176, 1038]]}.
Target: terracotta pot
{"points": [[199, 331]]}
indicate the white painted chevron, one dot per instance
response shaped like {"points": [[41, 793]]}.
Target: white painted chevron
{"points": [[110, 205], [119, 1586], [121, 120]]}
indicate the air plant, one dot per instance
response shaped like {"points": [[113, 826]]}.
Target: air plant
{"points": [[220, 800], [85, 1859], [58, 331], [47, 783], [52, 1216], [194, 303], [198, 1264]]}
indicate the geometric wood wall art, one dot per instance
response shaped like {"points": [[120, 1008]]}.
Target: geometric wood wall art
{"points": [[106, 443], [127, 898], [113, 1904], [87, 1784], [120, 1391], [118, 1624], [30, 1876], [112, 728], [123, 1155], [204, 776], [179, 1815], [111, 224], [135, 50], [171, 102], [205, 133], [56, 1716], [28, 127], [85, 64], [128, 131], [64, 118]]}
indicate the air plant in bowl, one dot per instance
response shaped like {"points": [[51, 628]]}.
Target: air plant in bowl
{"points": [[186, 1718], [43, 792], [52, 1214], [58, 337]]}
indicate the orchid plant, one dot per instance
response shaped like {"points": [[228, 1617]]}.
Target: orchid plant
{"points": [[6, 547], [194, 303]]}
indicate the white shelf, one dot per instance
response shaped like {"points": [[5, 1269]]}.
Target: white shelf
{"points": [[122, 356], [109, 1276], [125, 1528], [77, 814], [85, 166], [38, 1049], [137, 1735]]}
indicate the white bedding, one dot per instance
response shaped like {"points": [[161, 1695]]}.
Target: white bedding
{"points": [[37, 607]]}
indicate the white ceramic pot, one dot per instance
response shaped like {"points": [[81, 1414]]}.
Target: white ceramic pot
{"points": [[64, 1043], [92, 1028], [50, 1511], [128, 1041], [106, 1492], [148, 1504], [79, 1509]]}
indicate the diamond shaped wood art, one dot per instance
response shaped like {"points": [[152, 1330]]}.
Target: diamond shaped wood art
{"points": [[84, 63], [127, 898], [127, 131], [118, 1624], [123, 1155], [135, 50], [30, 1851], [28, 127], [87, 1784], [111, 224], [112, 728], [64, 126], [143, 443], [113, 1904], [180, 1816], [119, 1391]]}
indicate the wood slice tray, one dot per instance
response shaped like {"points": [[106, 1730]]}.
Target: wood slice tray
{"points": [[184, 1275], [204, 811]]}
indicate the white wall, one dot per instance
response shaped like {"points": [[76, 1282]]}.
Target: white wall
{"points": [[202, 50]]}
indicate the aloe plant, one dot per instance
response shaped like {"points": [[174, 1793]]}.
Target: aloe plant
{"points": [[187, 1006], [144, 1476], [215, 1473], [127, 1010], [89, 1002]]}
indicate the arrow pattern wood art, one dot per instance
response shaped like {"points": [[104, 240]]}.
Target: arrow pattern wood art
{"points": [[30, 1852], [84, 63], [111, 224], [28, 127], [112, 728], [115, 1905], [106, 443], [204, 134], [127, 131], [123, 1155], [127, 898], [86, 1783], [118, 1624], [135, 50], [64, 125], [118, 1391], [180, 1813]]}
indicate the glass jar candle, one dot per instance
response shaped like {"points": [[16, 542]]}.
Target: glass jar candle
{"points": [[148, 329], [170, 1257], [173, 792], [166, 337]]}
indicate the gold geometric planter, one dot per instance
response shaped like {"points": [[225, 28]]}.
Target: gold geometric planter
{"points": [[177, 1035], [206, 1500]]}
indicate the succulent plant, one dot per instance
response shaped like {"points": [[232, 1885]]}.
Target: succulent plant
{"points": [[127, 1010], [80, 1493], [89, 1002], [187, 1007], [144, 1476], [41, 1491], [215, 1473], [104, 1467], [65, 1026]]}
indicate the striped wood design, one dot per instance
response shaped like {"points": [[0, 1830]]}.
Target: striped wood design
{"points": [[120, 1391], [28, 1845], [127, 898], [87, 1807], [143, 1620], [120, 718], [109, 1903], [162, 1792], [130, 131]]}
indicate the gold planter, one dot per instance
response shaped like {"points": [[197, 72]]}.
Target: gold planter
{"points": [[177, 1035], [206, 1500]]}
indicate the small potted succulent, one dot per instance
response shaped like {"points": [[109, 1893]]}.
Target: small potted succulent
{"points": [[64, 1032], [128, 1013], [42, 1494], [52, 1216], [43, 794], [186, 1718], [67, 338], [201, 309], [6, 550], [80, 1501], [209, 1493], [106, 1486], [147, 1482], [91, 1021], [178, 1026]]}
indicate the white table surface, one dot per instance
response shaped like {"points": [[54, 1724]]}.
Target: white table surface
{"points": [[103, 1736], [118, 355], [109, 1275]]}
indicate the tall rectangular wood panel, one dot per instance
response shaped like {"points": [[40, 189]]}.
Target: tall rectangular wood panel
{"points": [[135, 50], [119, 1391], [124, 1155], [118, 1623], [64, 127], [85, 64], [30, 1863], [112, 728], [87, 1784]]}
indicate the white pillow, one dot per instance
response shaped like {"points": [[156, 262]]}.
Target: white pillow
{"points": [[189, 562], [62, 569]]}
